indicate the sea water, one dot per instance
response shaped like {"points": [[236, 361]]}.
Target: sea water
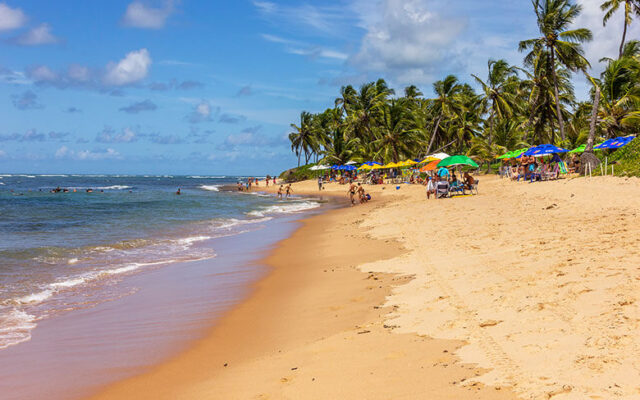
{"points": [[65, 251]]}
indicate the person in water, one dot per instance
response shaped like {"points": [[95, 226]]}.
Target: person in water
{"points": [[178, 192], [280, 192], [289, 190], [320, 183]]}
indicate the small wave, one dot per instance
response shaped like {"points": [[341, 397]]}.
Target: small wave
{"points": [[191, 240], [285, 209], [212, 188], [114, 187], [15, 327], [53, 175], [35, 298]]}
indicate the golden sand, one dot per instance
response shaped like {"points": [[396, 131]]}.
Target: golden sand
{"points": [[526, 290]]}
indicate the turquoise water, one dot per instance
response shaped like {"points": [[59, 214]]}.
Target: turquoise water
{"points": [[68, 250]]}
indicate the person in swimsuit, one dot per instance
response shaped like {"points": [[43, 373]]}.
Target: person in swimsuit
{"points": [[361, 194], [468, 180], [280, 192], [431, 188], [289, 191], [352, 193]]}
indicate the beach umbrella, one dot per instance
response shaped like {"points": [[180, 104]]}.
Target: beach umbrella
{"points": [[365, 166], [348, 167], [614, 143], [377, 166], [579, 149], [390, 165], [439, 156], [544, 150], [350, 162], [371, 163], [457, 160], [410, 162], [428, 159], [430, 167], [506, 155]]}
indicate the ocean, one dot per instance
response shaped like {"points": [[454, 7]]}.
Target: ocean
{"points": [[72, 250]]}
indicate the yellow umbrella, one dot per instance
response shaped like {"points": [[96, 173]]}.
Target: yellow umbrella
{"points": [[366, 166], [376, 166], [428, 160], [391, 165], [410, 162]]}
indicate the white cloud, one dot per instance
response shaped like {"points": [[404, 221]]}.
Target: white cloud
{"points": [[108, 135], [36, 36], [606, 40], [407, 40], [42, 73], [79, 73], [131, 69], [11, 18], [305, 49], [139, 15], [201, 112], [65, 153]]}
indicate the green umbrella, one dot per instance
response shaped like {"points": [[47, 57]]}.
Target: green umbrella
{"points": [[506, 155], [457, 160], [579, 149]]}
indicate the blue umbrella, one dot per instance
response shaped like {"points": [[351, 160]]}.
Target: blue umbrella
{"points": [[335, 166], [544, 150], [615, 143], [371, 163], [348, 167]]}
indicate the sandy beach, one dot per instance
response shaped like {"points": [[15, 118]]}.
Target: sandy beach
{"points": [[524, 291]]}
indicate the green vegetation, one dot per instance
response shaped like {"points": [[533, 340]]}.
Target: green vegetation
{"points": [[628, 159], [516, 107], [298, 174]]}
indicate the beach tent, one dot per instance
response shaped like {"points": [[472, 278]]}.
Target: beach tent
{"points": [[457, 160], [430, 167], [544, 150], [614, 143]]}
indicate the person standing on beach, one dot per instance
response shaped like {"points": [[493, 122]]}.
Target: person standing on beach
{"points": [[352, 193], [320, 183], [431, 188], [274, 179], [268, 179]]}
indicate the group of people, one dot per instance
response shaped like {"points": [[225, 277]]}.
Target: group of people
{"points": [[284, 190], [532, 169], [453, 183], [357, 194]]}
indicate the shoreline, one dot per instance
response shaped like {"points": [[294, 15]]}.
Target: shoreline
{"points": [[288, 337]]}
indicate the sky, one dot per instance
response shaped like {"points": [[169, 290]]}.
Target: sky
{"points": [[211, 87]]}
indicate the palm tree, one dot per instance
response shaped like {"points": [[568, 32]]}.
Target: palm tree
{"points": [[554, 17], [445, 102], [396, 133], [498, 91], [630, 7], [301, 136]]}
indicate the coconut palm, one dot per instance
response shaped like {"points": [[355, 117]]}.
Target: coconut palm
{"points": [[498, 91], [562, 44], [301, 137], [631, 7], [396, 133], [445, 103]]}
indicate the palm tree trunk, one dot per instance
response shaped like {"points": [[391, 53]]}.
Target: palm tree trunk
{"points": [[587, 157], [594, 118], [490, 128], [555, 89], [299, 154], [433, 136], [624, 36]]}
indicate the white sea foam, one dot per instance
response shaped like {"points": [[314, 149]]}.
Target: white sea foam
{"points": [[285, 208], [191, 240], [213, 188], [35, 298], [15, 327], [114, 187], [72, 261]]}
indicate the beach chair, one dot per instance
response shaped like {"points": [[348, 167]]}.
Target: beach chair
{"points": [[553, 174], [457, 188], [442, 190], [474, 187], [562, 168]]}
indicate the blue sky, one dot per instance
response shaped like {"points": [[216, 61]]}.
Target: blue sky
{"points": [[210, 87]]}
